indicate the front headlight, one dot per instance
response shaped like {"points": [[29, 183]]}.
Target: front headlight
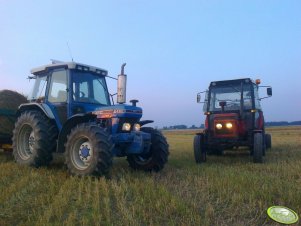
{"points": [[136, 127], [219, 126], [229, 125], [126, 126]]}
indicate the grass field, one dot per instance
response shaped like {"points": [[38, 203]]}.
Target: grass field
{"points": [[227, 190]]}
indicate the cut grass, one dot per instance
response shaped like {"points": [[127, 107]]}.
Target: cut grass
{"points": [[227, 190]]}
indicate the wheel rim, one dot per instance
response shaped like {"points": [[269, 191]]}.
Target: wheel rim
{"points": [[82, 154], [26, 142]]}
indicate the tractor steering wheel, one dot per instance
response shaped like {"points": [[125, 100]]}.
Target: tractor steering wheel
{"points": [[81, 94]]}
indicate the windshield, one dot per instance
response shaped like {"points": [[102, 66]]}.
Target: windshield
{"points": [[90, 88], [230, 96]]}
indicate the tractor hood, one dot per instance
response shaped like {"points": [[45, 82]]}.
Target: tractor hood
{"points": [[118, 111]]}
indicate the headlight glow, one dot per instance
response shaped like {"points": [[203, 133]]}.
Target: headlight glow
{"points": [[229, 125], [126, 126], [136, 127], [219, 126]]}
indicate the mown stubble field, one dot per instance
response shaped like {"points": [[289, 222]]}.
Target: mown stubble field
{"points": [[227, 190]]}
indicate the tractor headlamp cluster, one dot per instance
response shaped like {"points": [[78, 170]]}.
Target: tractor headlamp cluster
{"points": [[228, 125], [127, 126], [219, 126], [136, 127]]}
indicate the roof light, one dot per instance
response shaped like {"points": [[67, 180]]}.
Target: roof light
{"points": [[104, 73], [84, 68], [257, 81]]}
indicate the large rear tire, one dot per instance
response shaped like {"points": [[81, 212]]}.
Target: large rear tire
{"points": [[88, 150], [34, 139], [157, 156], [258, 148], [199, 149], [268, 141]]}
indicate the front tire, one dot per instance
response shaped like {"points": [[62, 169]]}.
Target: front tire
{"points": [[258, 148], [157, 156], [34, 139], [199, 149], [88, 150]]}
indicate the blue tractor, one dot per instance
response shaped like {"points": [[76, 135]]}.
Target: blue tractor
{"points": [[71, 112]]}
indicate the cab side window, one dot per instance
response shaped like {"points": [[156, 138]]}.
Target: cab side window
{"points": [[58, 87]]}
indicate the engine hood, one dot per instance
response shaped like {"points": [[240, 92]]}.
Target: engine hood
{"points": [[118, 111]]}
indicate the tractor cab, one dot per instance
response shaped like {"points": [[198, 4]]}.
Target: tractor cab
{"points": [[233, 113], [69, 89], [240, 95]]}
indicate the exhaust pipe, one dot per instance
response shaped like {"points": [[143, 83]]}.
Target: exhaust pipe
{"points": [[121, 86]]}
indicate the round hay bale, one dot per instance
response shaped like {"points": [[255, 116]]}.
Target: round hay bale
{"points": [[9, 103]]}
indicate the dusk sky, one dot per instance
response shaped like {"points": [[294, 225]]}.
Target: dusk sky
{"points": [[173, 49]]}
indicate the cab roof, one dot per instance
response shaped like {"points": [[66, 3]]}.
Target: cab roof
{"points": [[233, 81], [67, 65]]}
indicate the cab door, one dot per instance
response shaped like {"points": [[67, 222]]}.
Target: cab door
{"points": [[58, 95]]}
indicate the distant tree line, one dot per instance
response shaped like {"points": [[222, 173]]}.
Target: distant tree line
{"points": [[183, 127], [281, 123]]}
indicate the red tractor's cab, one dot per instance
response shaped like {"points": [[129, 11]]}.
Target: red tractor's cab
{"points": [[233, 118]]}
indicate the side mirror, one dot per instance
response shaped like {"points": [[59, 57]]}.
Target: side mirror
{"points": [[198, 98], [269, 91]]}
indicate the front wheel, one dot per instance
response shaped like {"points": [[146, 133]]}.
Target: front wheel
{"points": [[157, 156], [199, 149], [88, 150], [258, 148]]}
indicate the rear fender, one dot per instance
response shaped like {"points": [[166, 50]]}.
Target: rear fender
{"points": [[36, 106], [144, 122]]}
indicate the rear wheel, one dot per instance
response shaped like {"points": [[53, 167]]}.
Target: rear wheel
{"points": [[88, 150], [199, 149], [258, 148], [157, 156], [268, 141], [34, 139]]}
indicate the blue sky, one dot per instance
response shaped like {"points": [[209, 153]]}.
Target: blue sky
{"points": [[173, 49]]}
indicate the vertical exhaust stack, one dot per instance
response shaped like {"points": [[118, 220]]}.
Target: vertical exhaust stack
{"points": [[121, 86]]}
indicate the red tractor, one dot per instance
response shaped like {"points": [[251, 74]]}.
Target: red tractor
{"points": [[234, 118]]}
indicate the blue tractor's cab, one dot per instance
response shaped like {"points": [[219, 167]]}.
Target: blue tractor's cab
{"points": [[70, 111]]}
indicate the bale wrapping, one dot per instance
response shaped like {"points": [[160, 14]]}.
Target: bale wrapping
{"points": [[9, 103]]}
